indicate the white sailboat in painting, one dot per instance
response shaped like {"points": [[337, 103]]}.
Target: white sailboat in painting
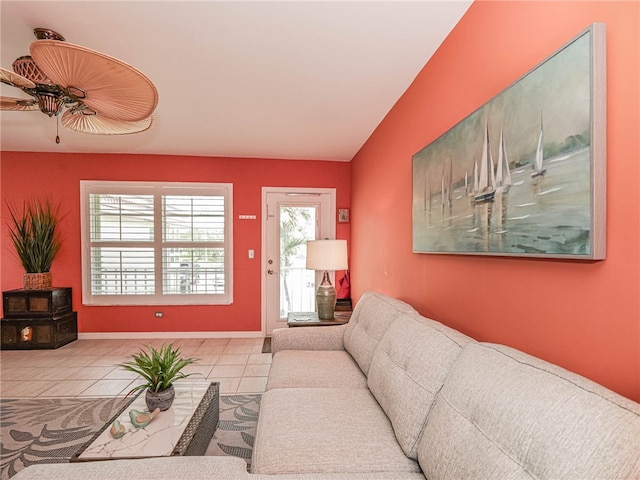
{"points": [[427, 194], [474, 188], [447, 184], [450, 183], [538, 170], [486, 181], [475, 176], [426, 206], [503, 173]]}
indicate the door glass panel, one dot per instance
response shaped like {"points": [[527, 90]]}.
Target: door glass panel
{"points": [[297, 284]]}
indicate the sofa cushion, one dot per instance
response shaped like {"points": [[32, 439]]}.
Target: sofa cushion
{"points": [[408, 369], [504, 414], [371, 318], [182, 468], [299, 368], [166, 468], [308, 338], [307, 430]]}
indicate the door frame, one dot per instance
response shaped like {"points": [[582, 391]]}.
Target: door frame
{"points": [[263, 257]]}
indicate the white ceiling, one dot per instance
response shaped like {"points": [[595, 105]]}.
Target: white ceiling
{"points": [[270, 79]]}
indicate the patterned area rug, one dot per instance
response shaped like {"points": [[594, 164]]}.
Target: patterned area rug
{"points": [[52, 430], [236, 427]]}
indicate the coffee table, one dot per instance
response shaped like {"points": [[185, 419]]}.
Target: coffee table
{"points": [[186, 428]]}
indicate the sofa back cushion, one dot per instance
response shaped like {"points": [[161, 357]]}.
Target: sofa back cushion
{"points": [[408, 369], [370, 320], [504, 414]]}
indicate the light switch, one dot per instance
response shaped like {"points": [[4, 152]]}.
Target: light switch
{"points": [[251, 253]]}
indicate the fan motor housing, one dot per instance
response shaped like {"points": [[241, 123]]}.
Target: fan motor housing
{"points": [[47, 34]]}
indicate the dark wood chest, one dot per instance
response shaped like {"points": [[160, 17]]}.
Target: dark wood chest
{"points": [[35, 319]]}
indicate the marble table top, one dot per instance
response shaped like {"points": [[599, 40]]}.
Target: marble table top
{"points": [[159, 437]]}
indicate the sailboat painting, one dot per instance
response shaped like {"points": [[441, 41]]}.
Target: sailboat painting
{"points": [[524, 174]]}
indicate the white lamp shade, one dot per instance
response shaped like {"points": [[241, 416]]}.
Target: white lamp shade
{"points": [[327, 255]]}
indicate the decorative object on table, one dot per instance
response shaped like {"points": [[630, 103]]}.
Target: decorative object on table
{"points": [[325, 256], [159, 369], [36, 239], [344, 291], [142, 419], [344, 304], [117, 430], [99, 94], [525, 174]]}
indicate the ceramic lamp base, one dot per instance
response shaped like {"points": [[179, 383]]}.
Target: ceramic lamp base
{"points": [[326, 298]]}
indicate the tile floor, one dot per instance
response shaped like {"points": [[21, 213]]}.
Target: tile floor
{"points": [[86, 368]]}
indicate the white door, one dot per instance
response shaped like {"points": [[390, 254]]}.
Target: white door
{"points": [[291, 217]]}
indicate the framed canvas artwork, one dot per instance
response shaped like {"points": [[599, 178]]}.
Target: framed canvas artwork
{"points": [[525, 174]]}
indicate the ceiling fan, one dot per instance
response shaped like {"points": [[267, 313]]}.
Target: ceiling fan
{"points": [[95, 93]]}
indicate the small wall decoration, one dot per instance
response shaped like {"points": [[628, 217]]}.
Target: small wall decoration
{"points": [[525, 174], [343, 215]]}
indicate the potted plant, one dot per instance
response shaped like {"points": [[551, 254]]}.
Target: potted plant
{"points": [[36, 239], [159, 369]]}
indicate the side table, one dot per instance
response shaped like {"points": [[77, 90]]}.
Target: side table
{"points": [[310, 319]]}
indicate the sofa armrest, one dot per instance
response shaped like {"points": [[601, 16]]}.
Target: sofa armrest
{"points": [[308, 338]]}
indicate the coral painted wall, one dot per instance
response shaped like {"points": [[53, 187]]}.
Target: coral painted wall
{"points": [[25, 175], [584, 316]]}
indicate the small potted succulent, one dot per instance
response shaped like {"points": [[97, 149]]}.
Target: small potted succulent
{"points": [[36, 239], [159, 369]]}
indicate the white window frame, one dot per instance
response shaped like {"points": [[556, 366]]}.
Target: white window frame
{"points": [[88, 187]]}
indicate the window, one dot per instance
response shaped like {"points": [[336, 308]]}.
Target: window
{"points": [[156, 243]]}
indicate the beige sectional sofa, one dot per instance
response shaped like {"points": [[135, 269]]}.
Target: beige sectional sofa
{"points": [[395, 392], [394, 395]]}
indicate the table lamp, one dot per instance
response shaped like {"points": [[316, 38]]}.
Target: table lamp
{"points": [[325, 256]]}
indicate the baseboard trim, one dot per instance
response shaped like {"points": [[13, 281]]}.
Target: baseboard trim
{"points": [[142, 335]]}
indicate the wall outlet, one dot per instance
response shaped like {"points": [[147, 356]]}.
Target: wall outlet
{"points": [[159, 314]]}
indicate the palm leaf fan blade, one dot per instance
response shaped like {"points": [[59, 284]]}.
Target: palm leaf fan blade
{"points": [[101, 125], [113, 88]]}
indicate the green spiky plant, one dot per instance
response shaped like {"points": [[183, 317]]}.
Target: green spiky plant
{"points": [[34, 234], [158, 368]]}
